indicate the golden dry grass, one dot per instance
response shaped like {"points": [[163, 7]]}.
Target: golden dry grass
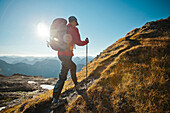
{"points": [[137, 82]]}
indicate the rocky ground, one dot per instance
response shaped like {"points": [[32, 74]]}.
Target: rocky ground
{"points": [[15, 88]]}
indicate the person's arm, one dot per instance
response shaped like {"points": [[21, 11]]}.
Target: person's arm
{"points": [[77, 39]]}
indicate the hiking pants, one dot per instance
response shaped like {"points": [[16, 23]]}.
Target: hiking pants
{"points": [[67, 64]]}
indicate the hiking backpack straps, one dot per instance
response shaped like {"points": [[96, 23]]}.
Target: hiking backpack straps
{"points": [[60, 40]]}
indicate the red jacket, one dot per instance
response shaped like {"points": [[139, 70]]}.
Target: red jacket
{"points": [[76, 40]]}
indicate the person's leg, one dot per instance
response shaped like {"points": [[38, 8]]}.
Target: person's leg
{"points": [[62, 77], [73, 72]]}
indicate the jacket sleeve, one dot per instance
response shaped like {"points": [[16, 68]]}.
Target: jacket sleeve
{"points": [[77, 39]]}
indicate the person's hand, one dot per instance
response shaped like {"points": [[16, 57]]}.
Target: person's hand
{"points": [[87, 40]]}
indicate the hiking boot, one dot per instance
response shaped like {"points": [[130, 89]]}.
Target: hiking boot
{"points": [[57, 103], [77, 86]]}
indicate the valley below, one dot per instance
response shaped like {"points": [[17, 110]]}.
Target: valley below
{"points": [[14, 89]]}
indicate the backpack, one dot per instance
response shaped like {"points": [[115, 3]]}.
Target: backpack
{"points": [[60, 40]]}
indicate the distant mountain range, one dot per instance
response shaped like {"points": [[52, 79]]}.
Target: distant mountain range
{"points": [[37, 66], [27, 60]]}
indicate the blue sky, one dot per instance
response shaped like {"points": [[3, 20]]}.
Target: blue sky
{"points": [[102, 21]]}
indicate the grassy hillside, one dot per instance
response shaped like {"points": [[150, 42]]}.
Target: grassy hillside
{"points": [[131, 75], [135, 77]]}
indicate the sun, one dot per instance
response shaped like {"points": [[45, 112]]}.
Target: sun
{"points": [[42, 30]]}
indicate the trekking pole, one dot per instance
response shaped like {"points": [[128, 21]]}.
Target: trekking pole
{"points": [[86, 63]]}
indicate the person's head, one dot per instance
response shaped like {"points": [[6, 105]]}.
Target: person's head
{"points": [[73, 20]]}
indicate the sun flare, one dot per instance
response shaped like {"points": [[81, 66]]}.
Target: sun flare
{"points": [[42, 30]]}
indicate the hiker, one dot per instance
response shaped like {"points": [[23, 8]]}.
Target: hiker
{"points": [[66, 60]]}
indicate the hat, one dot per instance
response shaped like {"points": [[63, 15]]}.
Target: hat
{"points": [[72, 18]]}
